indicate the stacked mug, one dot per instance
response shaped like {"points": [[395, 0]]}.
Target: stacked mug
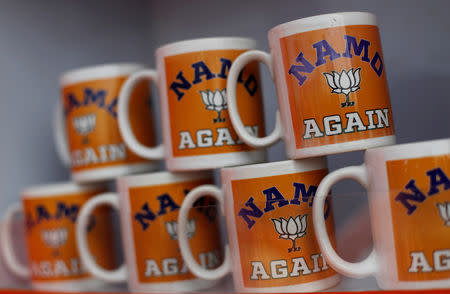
{"points": [[88, 140], [333, 97]]}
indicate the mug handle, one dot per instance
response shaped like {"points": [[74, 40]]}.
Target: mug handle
{"points": [[6, 244], [114, 276], [233, 76], [124, 117], [360, 269], [60, 134], [183, 242]]}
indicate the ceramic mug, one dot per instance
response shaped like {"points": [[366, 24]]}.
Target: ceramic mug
{"points": [[272, 246], [197, 132], [409, 199], [50, 213], [86, 131], [331, 83], [148, 206]]}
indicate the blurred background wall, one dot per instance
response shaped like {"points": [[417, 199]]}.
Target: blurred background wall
{"points": [[41, 39]]}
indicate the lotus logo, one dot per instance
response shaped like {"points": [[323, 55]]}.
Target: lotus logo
{"points": [[85, 124], [171, 228], [444, 211], [291, 229], [344, 83], [216, 101], [54, 238]]}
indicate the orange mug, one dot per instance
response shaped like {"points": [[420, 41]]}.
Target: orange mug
{"points": [[148, 207], [408, 187], [268, 212], [86, 131], [331, 83], [197, 132], [50, 213]]}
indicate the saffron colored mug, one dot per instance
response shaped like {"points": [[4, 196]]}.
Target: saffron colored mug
{"points": [[50, 213], [331, 84], [148, 207], [409, 199], [272, 246], [197, 132], [86, 131]]}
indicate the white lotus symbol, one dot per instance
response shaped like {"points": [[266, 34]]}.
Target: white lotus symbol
{"points": [[291, 229], [171, 228], [54, 238], [85, 124], [216, 101], [344, 83], [444, 211]]}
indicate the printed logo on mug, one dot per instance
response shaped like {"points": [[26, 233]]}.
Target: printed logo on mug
{"points": [[272, 246], [197, 131], [50, 214], [148, 206], [86, 124], [331, 84], [409, 199]]}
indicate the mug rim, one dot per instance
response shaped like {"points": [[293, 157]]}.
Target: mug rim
{"points": [[99, 71], [204, 44], [59, 189], [411, 146], [323, 21], [161, 178], [275, 168]]}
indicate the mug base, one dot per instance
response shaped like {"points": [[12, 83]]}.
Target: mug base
{"points": [[110, 173], [80, 285], [176, 286], [342, 147], [297, 288], [214, 161], [399, 285]]}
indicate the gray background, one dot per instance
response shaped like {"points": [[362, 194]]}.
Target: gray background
{"points": [[41, 39]]}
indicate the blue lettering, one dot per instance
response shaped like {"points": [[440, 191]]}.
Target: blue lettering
{"points": [[91, 223], [437, 178], [165, 201], [323, 48], [246, 213], [94, 98], [146, 215], [357, 48], [306, 67], [416, 196], [272, 196], [373, 63], [42, 213], [183, 84], [201, 70], [306, 195], [226, 64], [69, 212], [206, 206], [251, 85], [73, 103], [112, 108], [327, 208]]}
